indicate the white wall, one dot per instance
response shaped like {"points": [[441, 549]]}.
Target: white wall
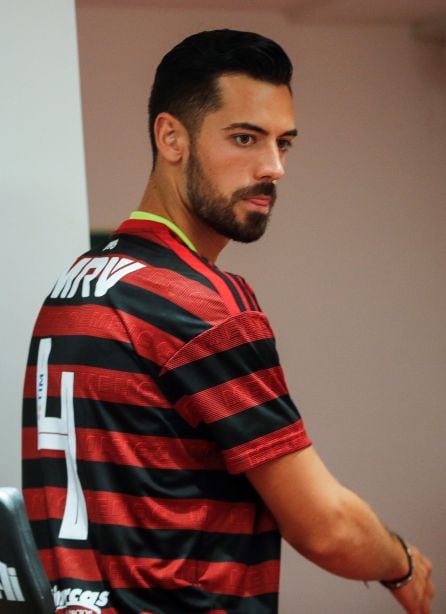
{"points": [[42, 187], [351, 271]]}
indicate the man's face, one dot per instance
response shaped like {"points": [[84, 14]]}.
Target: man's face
{"points": [[238, 156]]}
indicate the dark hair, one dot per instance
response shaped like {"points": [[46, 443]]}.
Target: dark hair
{"points": [[185, 82]]}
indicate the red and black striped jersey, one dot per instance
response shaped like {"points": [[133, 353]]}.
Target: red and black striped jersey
{"points": [[152, 385]]}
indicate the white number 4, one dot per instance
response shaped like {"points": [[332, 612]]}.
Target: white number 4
{"points": [[60, 434]]}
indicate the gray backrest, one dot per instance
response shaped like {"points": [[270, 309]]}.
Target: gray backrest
{"points": [[24, 587]]}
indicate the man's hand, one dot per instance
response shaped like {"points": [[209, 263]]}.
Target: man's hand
{"points": [[416, 596]]}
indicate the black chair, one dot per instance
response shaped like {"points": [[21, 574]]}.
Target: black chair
{"points": [[24, 587]]}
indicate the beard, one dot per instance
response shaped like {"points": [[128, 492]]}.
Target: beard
{"points": [[218, 211]]}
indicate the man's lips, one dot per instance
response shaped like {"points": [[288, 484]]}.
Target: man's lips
{"points": [[260, 196], [260, 201]]}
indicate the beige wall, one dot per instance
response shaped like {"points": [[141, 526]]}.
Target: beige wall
{"points": [[352, 270]]}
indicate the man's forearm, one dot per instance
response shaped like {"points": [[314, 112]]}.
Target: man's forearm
{"points": [[352, 542], [326, 522], [337, 530]]}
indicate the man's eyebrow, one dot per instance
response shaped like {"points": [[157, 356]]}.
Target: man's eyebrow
{"points": [[292, 132], [254, 128]]}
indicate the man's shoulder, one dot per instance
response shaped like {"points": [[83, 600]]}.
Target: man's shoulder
{"points": [[180, 275]]}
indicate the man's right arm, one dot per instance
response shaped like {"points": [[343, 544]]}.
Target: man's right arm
{"points": [[334, 528]]}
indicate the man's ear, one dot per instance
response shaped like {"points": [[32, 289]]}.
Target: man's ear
{"points": [[171, 137]]}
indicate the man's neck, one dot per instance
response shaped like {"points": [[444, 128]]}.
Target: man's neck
{"points": [[162, 198]]}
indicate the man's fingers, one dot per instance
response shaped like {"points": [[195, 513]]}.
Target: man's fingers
{"points": [[429, 590], [426, 604]]}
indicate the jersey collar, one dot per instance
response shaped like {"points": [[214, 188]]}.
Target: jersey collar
{"points": [[145, 215]]}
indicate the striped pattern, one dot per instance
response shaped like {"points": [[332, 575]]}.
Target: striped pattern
{"points": [[177, 392]]}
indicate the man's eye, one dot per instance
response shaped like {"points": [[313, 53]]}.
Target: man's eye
{"points": [[284, 144], [244, 139]]}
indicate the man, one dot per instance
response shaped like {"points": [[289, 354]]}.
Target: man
{"points": [[163, 457]]}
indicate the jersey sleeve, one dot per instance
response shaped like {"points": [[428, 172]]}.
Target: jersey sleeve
{"points": [[229, 379]]}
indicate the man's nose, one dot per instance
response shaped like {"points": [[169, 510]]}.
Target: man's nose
{"points": [[270, 165]]}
